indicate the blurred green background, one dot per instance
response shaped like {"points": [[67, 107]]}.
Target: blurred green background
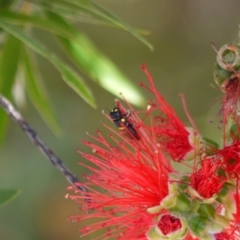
{"points": [[181, 32]]}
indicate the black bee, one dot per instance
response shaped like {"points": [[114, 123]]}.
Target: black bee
{"points": [[122, 122]]}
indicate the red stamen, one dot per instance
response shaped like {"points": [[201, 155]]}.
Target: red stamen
{"points": [[169, 224], [206, 181]]}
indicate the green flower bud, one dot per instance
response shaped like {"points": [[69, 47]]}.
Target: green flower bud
{"points": [[176, 203], [226, 190], [204, 227], [221, 76], [155, 209], [207, 210], [198, 225], [225, 197], [221, 220]]}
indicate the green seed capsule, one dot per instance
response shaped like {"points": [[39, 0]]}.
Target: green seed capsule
{"points": [[220, 75], [228, 57], [228, 63]]}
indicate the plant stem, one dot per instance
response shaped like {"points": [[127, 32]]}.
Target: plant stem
{"points": [[16, 116]]}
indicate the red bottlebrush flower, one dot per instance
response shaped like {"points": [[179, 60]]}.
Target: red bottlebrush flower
{"points": [[179, 141], [123, 185], [134, 192]]}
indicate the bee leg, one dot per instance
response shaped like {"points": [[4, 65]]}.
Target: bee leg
{"points": [[128, 114]]}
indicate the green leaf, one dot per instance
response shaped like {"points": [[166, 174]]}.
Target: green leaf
{"points": [[37, 92], [211, 142], [5, 3], [198, 224], [206, 210], [7, 195], [101, 69], [68, 74], [8, 69], [114, 19], [83, 52], [75, 8], [97, 66], [36, 21]]}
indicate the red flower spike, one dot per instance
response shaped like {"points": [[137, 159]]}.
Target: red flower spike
{"points": [[123, 185], [175, 138], [129, 189]]}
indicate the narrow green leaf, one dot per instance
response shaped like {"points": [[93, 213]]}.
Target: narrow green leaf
{"points": [[9, 64], [68, 74], [114, 19], [104, 69], [77, 11], [7, 195], [100, 69], [82, 13], [97, 66], [37, 92], [36, 21], [8, 68], [75, 8], [211, 142]]}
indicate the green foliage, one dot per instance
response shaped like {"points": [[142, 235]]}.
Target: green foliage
{"points": [[58, 17], [5, 3], [8, 70], [37, 91], [7, 195]]}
